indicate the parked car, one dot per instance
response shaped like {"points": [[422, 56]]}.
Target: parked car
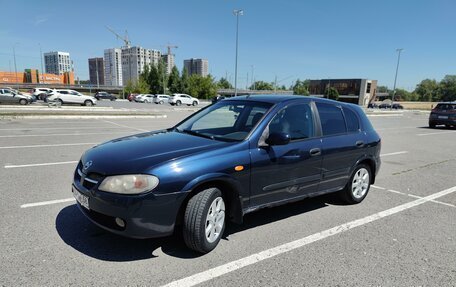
{"points": [[232, 158], [40, 93], [8, 96], [145, 98], [397, 106], [385, 106], [71, 97], [138, 98], [131, 97], [104, 96], [161, 99], [443, 114], [219, 98], [179, 99], [372, 106]]}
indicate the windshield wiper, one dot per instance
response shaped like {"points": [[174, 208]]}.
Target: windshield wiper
{"points": [[195, 133]]}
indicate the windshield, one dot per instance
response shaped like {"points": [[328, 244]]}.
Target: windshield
{"points": [[226, 121]]}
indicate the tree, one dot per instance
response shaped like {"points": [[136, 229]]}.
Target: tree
{"points": [[202, 87], [174, 81], [428, 90], [263, 86], [447, 88], [382, 89], [184, 82], [332, 93], [157, 78], [224, 84], [138, 87], [301, 88]]}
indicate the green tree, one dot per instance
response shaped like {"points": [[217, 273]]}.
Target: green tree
{"points": [[157, 78], [262, 86], [174, 81], [447, 88], [184, 82], [138, 87], [382, 89], [332, 93], [428, 90], [224, 84], [202, 87], [301, 87]]}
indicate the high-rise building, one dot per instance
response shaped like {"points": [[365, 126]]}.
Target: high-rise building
{"points": [[169, 62], [134, 59], [197, 66], [96, 71], [58, 63], [113, 67]]}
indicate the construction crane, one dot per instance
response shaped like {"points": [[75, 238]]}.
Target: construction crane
{"points": [[124, 38], [171, 47]]}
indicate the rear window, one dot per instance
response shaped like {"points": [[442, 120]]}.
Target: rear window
{"points": [[332, 119], [351, 120], [445, 107]]}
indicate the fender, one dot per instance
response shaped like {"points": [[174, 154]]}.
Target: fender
{"points": [[369, 158]]}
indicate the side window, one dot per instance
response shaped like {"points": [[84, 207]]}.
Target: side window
{"points": [[351, 119], [332, 120], [295, 120], [255, 115]]}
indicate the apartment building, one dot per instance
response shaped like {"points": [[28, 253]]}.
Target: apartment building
{"points": [[169, 62], [197, 66], [113, 67], [96, 71], [58, 63], [134, 59]]}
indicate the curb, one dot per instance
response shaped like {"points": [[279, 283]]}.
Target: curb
{"points": [[9, 117]]}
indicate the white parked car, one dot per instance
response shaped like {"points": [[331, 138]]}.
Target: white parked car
{"points": [[71, 97], [161, 99], [179, 99], [40, 93], [138, 97], [147, 98]]}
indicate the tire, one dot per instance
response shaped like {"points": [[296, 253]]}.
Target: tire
{"points": [[60, 101], [88, 103], [196, 218], [23, 102], [194, 103], [358, 186], [431, 125], [161, 102], [178, 103]]}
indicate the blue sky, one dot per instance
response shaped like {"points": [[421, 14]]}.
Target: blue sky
{"points": [[284, 39]]}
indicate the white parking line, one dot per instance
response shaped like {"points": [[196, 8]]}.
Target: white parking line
{"points": [[54, 135], [394, 153], [44, 145], [47, 202], [40, 164], [54, 128], [269, 253], [412, 195], [125, 126], [437, 133]]}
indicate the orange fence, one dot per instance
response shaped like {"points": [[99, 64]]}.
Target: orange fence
{"points": [[32, 76]]}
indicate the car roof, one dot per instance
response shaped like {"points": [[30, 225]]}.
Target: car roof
{"points": [[275, 98], [446, 103]]}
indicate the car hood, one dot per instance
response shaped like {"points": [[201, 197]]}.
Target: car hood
{"points": [[140, 153]]}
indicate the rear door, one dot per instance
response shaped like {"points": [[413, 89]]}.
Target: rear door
{"points": [[342, 144]]}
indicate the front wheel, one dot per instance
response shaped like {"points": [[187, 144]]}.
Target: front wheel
{"points": [[431, 125], [161, 102], [358, 186], [23, 102], [88, 103], [178, 103], [204, 220], [195, 103]]}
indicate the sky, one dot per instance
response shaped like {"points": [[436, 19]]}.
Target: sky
{"points": [[284, 40]]}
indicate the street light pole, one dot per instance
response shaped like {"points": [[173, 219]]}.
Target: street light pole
{"points": [[41, 58], [395, 77], [253, 81], [15, 66], [237, 13]]}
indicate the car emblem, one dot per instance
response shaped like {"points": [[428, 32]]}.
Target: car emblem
{"points": [[87, 164]]}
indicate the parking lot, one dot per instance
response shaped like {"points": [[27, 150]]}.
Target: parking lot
{"points": [[403, 234]]}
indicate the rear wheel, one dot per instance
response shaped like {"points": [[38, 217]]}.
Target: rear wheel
{"points": [[358, 186], [204, 220], [195, 103], [23, 102], [161, 102]]}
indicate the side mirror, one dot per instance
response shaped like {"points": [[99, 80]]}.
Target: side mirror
{"points": [[278, 139]]}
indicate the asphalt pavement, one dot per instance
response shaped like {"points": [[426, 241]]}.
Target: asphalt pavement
{"points": [[402, 234]]}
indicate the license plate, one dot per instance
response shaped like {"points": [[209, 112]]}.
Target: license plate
{"points": [[443, 117], [81, 198]]}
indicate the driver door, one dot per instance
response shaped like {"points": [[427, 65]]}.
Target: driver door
{"points": [[293, 170]]}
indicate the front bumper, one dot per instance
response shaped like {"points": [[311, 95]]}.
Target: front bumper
{"points": [[145, 216]]}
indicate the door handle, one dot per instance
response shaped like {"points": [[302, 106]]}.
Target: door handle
{"points": [[359, 143], [315, 152]]}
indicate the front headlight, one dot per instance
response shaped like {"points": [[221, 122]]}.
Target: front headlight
{"points": [[129, 184]]}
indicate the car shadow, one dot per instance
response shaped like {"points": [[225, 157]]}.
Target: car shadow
{"points": [[84, 236], [440, 127]]}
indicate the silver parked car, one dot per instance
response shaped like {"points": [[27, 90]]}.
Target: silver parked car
{"points": [[161, 99], [14, 97]]}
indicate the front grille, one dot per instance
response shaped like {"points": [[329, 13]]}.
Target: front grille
{"points": [[88, 181]]}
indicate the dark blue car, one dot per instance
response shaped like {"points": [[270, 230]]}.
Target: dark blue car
{"points": [[229, 159]]}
